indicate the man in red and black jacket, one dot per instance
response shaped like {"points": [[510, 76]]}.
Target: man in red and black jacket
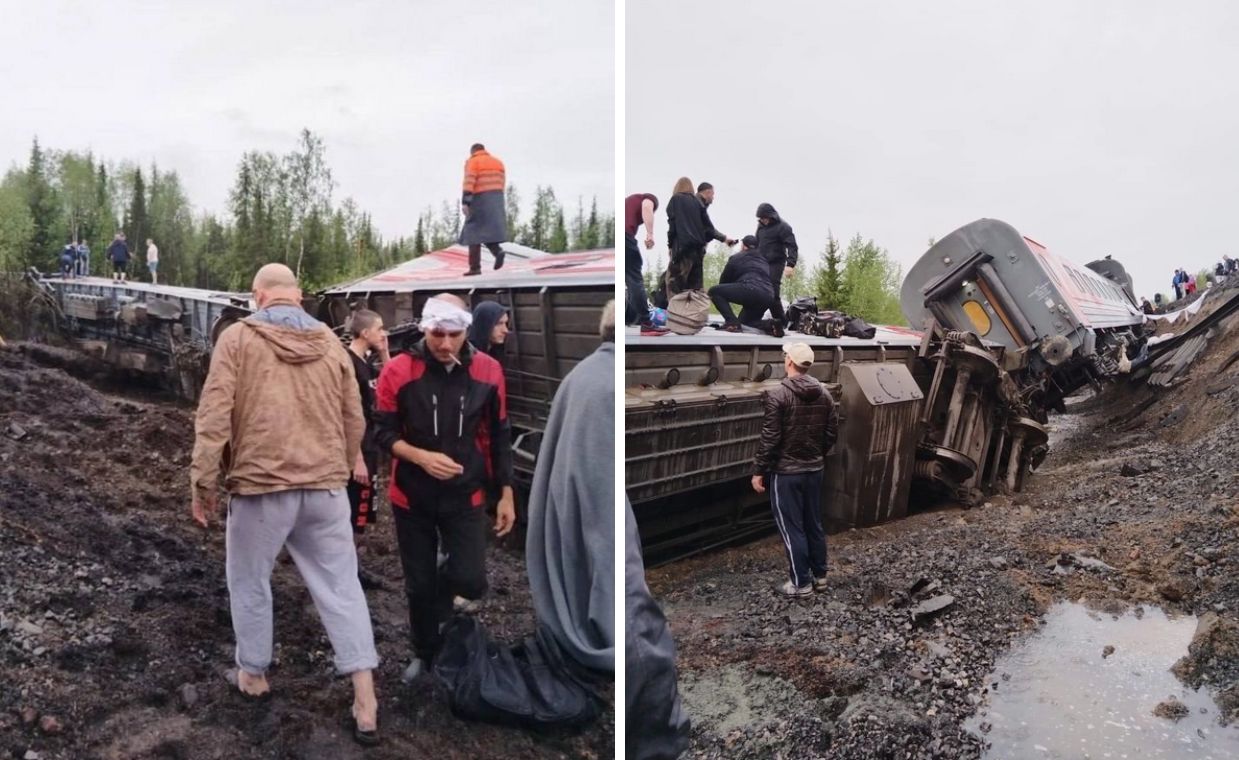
{"points": [[441, 410]]}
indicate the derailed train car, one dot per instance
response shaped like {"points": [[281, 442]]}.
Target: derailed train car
{"points": [[555, 302], [955, 409]]}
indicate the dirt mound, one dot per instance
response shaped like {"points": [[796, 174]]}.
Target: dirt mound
{"points": [[114, 617]]}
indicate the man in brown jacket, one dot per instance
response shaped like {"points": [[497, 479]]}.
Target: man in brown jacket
{"points": [[799, 427], [281, 396]]}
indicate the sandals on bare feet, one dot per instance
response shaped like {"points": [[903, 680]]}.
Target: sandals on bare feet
{"points": [[365, 738]]}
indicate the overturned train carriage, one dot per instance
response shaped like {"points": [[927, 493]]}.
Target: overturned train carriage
{"points": [[954, 409], [555, 304]]}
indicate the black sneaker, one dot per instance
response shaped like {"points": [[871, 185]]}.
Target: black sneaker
{"points": [[499, 258], [473, 273]]}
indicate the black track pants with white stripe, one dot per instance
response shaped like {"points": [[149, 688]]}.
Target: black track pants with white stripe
{"points": [[797, 504]]}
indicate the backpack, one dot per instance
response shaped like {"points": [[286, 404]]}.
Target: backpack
{"points": [[530, 685], [687, 312], [800, 308]]}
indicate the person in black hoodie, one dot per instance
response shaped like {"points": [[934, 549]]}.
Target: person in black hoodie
{"points": [[489, 331], [778, 247], [746, 281], [689, 230]]}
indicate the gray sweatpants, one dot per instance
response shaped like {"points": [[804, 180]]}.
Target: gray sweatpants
{"points": [[314, 525]]}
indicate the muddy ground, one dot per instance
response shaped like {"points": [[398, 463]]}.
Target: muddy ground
{"points": [[1137, 503], [115, 625]]}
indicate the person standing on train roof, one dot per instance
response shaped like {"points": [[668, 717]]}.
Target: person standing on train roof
{"points": [[689, 230], [486, 215], [799, 426], [639, 211], [118, 254], [777, 244], [83, 259], [442, 412]]}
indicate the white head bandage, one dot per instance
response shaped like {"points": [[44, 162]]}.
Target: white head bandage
{"points": [[441, 315]]}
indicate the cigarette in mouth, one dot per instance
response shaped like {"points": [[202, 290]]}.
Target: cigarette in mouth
{"points": [[455, 360]]}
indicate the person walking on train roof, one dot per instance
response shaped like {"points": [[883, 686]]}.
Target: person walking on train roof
{"points": [[777, 244], [639, 211], [689, 230], [368, 348], [745, 280], [443, 415], [799, 426], [282, 398], [486, 220], [118, 254]]}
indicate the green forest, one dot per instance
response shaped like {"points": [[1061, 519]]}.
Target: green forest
{"points": [[280, 208]]}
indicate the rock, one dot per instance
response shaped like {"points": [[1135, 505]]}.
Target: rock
{"points": [[1107, 651], [50, 725], [938, 649], [1172, 709], [31, 755], [29, 628], [29, 715], [1173, 590], [16, 432], [189, 695], [998, 563], [931, 607]]}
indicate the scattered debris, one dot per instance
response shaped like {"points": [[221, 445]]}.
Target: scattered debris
{"points": [[931, 607], [1172, 709], [1107, 651], [50, 725]]}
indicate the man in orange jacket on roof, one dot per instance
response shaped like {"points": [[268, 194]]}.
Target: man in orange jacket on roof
{"points": [[486, 222]]}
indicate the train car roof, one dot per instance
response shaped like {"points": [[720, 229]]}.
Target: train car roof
{"points": [[886, 335], [523, 267]]}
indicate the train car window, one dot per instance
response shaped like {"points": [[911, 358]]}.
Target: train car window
{"points": [[980, 320]]}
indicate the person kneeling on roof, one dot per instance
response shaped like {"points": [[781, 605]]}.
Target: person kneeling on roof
{"points": [[746, 281]]}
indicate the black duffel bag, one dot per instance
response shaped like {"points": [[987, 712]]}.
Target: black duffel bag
{"points": [[530, 685], [856, 327]]}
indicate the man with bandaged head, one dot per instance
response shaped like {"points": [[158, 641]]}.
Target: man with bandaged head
{"points": [[441, 410]]}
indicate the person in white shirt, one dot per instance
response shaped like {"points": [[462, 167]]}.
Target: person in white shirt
{"points": [[152, 260]]}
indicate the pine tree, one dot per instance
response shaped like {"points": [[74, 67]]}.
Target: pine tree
{"points": [[559, 234], [419, 238], [44, 208], [825, 280], [137, 225]]}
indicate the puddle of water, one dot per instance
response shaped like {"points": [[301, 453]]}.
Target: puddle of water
{"points": [[1064, 700]]}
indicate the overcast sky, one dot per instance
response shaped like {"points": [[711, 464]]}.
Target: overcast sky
{"points": [[398, 90], [1092, 127]]}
